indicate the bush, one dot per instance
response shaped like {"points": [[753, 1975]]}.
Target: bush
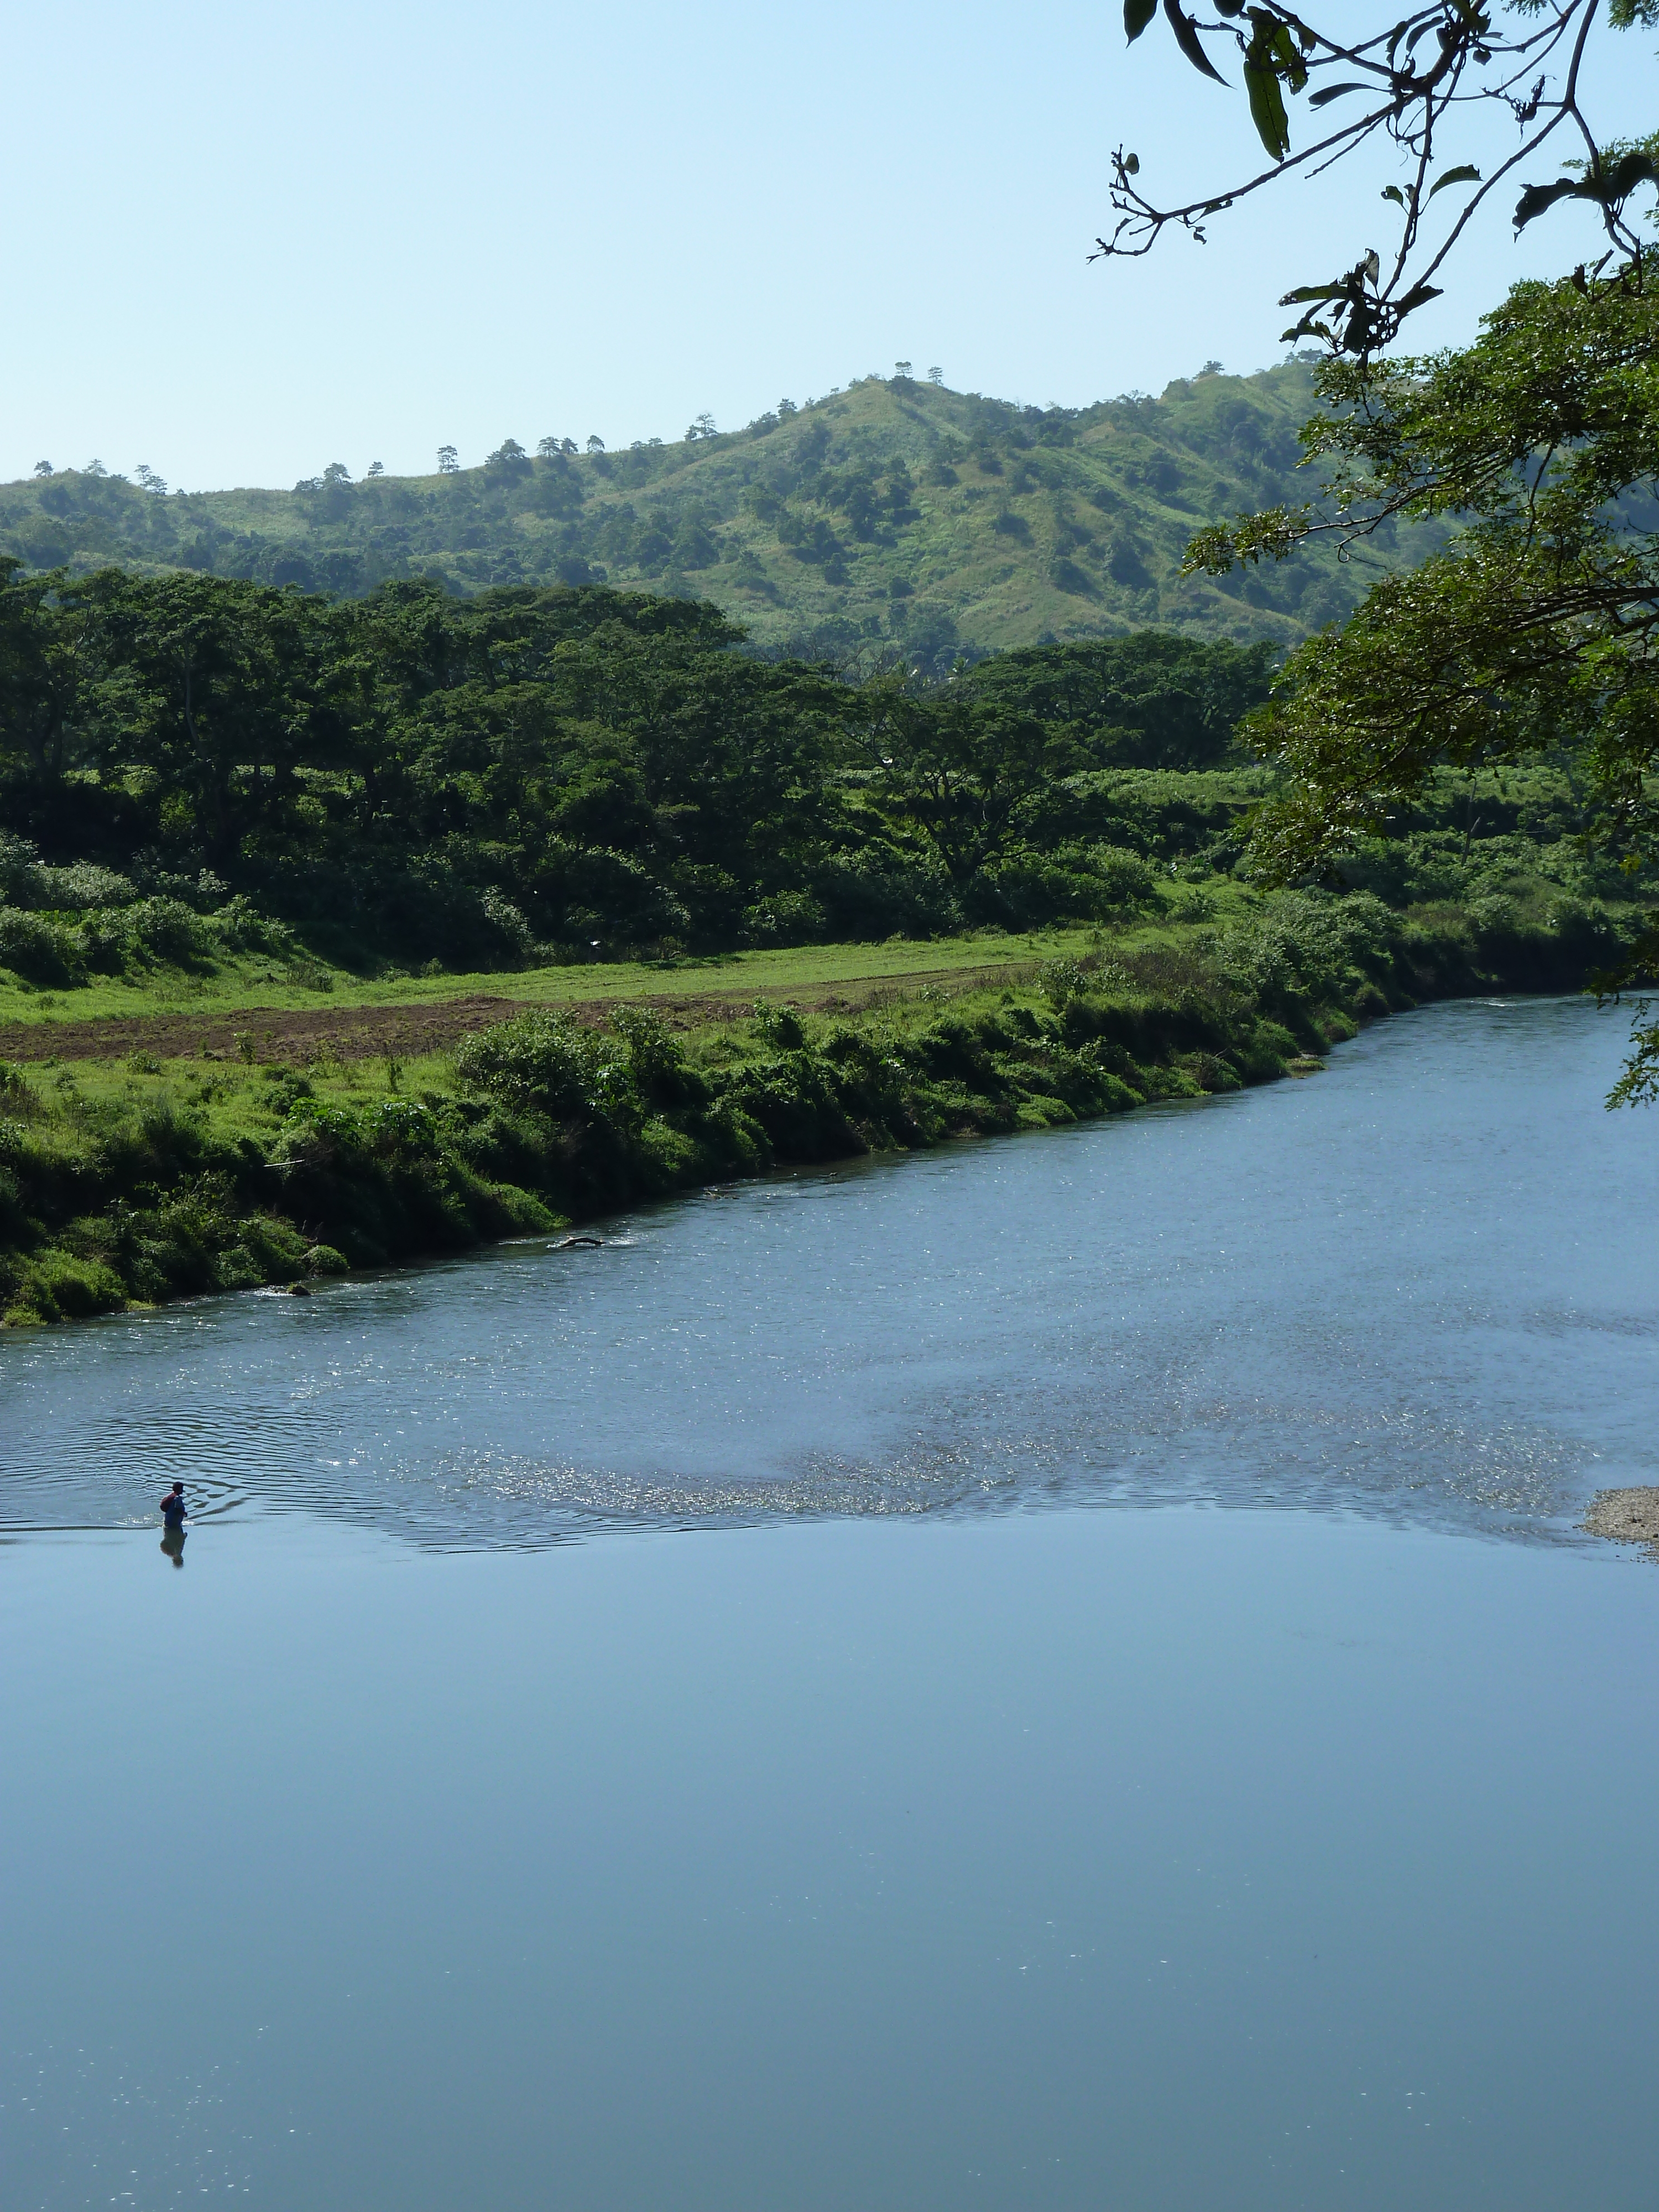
{"points": [[84, 884], [59, 1286], [879, 892], [165, 929], [505, 920], [105, 942], [1308, 946], [41, 951], [779, 1027], [315, 1133], [783, 918], [19, 871], [1079, 882], [542, 1060], [1060, 980], [240, 927]]}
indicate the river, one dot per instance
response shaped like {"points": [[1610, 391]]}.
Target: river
{"points": [[790, 1708]]}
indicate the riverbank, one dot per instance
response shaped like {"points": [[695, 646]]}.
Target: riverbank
{"points": [[159, 1175]]}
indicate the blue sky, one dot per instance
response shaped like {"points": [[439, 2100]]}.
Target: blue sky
{"points": [[242, 243]]}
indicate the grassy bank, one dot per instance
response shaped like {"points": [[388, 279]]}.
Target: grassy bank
{"points": [[254, 994], [154, 1177]]}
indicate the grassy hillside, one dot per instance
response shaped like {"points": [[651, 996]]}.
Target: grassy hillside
{"points": [[896, 515]]}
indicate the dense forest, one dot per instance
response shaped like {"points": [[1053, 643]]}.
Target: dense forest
{"points": [[552, 774], [531, 776], [895, 516]]}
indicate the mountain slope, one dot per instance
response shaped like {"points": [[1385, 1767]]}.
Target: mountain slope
{"points": [[896, 514]]}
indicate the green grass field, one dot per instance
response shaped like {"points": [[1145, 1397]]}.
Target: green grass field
{"points": [[256, 987]]}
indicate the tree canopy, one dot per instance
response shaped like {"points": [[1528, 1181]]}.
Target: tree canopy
{"points": [[413, 776]]}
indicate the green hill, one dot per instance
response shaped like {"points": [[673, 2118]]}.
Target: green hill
{"points": [[896, 515]]}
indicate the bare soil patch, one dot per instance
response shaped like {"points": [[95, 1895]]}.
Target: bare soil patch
{"points": [[295, 1033], [1627, 1516]]}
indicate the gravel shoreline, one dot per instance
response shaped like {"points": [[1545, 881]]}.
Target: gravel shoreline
{"points": [[1627, 1517]]}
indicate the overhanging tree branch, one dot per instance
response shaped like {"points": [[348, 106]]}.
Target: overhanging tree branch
{"points": [[1476, 64]]}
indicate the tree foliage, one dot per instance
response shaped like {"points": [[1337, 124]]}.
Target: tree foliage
{"points": [[1535, 630], [413, 776], [1412, 84]]}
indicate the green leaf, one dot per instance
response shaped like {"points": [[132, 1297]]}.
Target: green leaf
{"points": [[1311, 292], [1468, 174], [1393, 192], [1137, 13], [1272, 125], [1416, 297], [1331, 92], [1187, 40], [1287, 57]]}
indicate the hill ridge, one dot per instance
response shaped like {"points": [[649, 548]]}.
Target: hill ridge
{"points": [[893, 515]]}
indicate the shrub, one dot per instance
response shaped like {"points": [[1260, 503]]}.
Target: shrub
{"points": [[539, 1060], [316, 1133], [783, 918], [779, 1027], [168, 930], [84, 884], [1308, 945], [240, 927], [60, 1286], [879, 891], [506, 921], [41, 951], [19, 871], [1061, 980], [105, 942]]}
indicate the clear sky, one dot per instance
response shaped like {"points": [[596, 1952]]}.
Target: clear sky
{"points": [[243, 243]]}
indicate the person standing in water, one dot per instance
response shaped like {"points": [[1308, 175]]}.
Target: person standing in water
{"points": [[172, 1521]]}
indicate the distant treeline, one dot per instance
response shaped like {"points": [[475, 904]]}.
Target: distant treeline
{"points": [[560, 772]]}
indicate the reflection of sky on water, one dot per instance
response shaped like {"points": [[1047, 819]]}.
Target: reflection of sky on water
{"points": [[1418, 1284]]}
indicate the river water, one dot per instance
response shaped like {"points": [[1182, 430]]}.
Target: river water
{"points": [[625, 1734]]}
